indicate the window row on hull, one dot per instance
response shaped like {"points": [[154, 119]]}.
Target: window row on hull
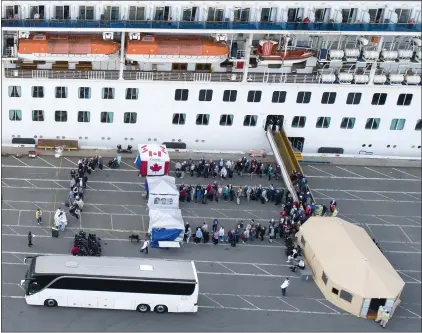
{"points": [[206, 95], [204, 119]]}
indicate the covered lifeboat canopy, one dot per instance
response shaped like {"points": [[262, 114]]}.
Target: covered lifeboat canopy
{"points": [[183, 48], [67, 45]]}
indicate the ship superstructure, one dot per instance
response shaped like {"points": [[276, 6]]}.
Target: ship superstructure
{"points": [[341, 77]]}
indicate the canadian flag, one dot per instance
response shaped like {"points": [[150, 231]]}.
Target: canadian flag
{"points": [[156, 168]]}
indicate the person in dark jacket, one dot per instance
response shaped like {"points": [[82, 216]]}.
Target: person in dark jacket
{"points": [[30, 236]]}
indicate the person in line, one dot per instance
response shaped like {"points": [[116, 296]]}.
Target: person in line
{"points": [[38, 216], [100, 163], [145, 247], [221, 234], [214, 225], [30, 236], [385, 317], [75, 250], [198, 235], [379, 314], [284, 286], [215, 238]]}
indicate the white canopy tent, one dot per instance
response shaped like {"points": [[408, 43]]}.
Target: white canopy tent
{"points": [[166, 227], [163, 193]]}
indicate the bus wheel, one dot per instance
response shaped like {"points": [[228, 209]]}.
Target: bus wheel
{"points": [[160, 309], [143, 308], [51, 303]]}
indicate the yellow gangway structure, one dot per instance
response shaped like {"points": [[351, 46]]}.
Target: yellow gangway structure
{"points": [[286, 157]]}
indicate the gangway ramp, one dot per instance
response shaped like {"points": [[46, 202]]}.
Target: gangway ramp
{"points": [[286, 157]]}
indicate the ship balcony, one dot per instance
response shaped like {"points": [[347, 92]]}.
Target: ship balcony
{"points": [[210, 25]]}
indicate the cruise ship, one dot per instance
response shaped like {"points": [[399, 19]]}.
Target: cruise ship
{"points": [[338, 77]]}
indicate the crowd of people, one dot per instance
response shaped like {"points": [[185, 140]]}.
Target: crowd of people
{"points": [[226, 169]]}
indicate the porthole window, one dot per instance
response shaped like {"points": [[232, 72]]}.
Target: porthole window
{"points": [[131, 139], [364, 145], [394, 146], [370, 145], [63, 137], [388, 146], [57, 137], [36, 137]]}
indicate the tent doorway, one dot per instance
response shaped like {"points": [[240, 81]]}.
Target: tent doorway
{"points": [[374, 305]]}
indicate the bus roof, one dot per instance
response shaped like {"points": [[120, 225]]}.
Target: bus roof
{"points": [[155, 269]]}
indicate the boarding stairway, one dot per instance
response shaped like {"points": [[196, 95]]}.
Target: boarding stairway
{"points": [[286, 157]]}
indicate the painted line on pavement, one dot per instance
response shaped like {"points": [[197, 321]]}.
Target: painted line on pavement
{"points": [[406, 173], [319, 170], [378, 172], [307, 176], [353, 173]]}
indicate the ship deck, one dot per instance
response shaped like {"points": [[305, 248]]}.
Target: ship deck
{"points": [[239, 287]]}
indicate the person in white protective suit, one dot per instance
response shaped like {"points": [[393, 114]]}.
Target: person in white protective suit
{"points": [[60, 219]]}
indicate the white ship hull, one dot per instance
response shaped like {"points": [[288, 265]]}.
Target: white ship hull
{"points": [[156, 106]]}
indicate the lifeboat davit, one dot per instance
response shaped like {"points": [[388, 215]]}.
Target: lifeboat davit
{"points": [[268, 54], [67, 48], [186, 49]]}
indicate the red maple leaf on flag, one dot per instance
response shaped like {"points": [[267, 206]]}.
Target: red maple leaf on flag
{"points": [[155, 167]]}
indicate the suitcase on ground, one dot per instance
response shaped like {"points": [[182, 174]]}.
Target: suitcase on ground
{"points": [[66, 203], [55, 232], [262, 200]]}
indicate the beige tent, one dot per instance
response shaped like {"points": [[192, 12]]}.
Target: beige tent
{"points": [[348, 267]]}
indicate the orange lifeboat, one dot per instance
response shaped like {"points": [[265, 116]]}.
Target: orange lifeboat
{"points": [[181, 49], [77, 47], [268, 54]]}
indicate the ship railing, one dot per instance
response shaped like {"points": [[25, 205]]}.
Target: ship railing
{"points": [[211, 25], [182, 76], [282, 78], [9, 52], [61, 75]]}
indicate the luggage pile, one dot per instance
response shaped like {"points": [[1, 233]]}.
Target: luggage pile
{"points": [[87, 246]]}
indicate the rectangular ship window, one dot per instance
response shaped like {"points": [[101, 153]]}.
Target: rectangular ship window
{"points": [[353, 98], [328, 98], [38, 92], [37, 115], [181, 95], [323, 122], [303, 97], [379, 99], [404, 99], [131, 93], [347, 123], [179, 119], [84, 116], [279, 97], [226, 120], [60, 116], [397, 124], [130, 117], [254, 96], [15, 91], [298, 122], [108, 93], [84, 92], [372, 123], [202, 119], [205, 95], [229, 95], [15, 115], [107, 117], [250, 120], [61, 92]]}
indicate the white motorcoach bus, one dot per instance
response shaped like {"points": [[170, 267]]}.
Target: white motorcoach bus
{"points": [[112, 283]]}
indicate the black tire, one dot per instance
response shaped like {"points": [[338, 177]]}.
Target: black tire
{"points": [[50, 303], [143, 308], [160, 309]]}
